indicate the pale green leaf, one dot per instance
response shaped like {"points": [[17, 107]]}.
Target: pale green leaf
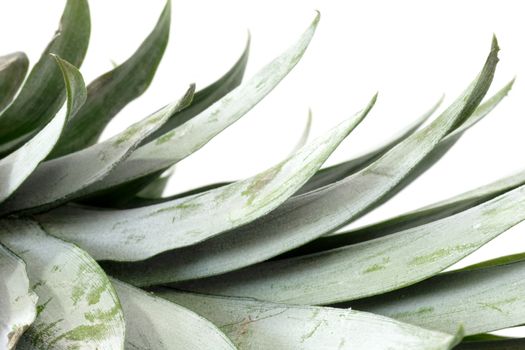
{"points": [[77, 306], [65, 178], [111, 92], [136, 234], [153, 323], [16, 167], [17, 301], [43, 93], [13, 69], [253, 324], [311, 215]]}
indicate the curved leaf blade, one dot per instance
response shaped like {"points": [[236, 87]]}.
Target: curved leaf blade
{"points": [[42, 94], [19, 165], [259, 325], [65, 178], [13, 69], [156, 324], [17, 301], [77, 307], [137, 234], [111, 92], [306, 217], [373, 267]]}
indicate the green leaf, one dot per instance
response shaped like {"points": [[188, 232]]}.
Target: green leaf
{"points": [[501, 344], [43, 94], [136, 234], [156, 188], [377, 266], [13, 69], [253, 324], [153, 323], [428, 213], [65, 178], [311, 215], [77, 306], [17, 301], [339, 171], [483, 299], [16, 167], [184, 140], [111, 92], [207, 96]]}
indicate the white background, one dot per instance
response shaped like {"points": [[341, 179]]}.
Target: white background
{"points": [[409, 51]]}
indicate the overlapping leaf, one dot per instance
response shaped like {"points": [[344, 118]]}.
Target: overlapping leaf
{"points": [[137, 234], [16, 167], [65, 178], [13, 69], [111, 92], [17, 301], [77, 306], [252, 324], [311, 215], [43, 93], [153, 323]]}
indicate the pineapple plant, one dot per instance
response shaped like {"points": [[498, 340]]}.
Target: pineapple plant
{"points": [[94, 257]]}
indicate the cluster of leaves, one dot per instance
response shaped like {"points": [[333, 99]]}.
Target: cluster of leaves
{"points": [[253, 264]]}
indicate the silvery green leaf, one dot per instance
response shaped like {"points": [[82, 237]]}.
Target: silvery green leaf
{"points": [[16, 167], [156, 188], [153, 323], [77, 306], [481, 299], [306, 217], [111, 92], [136, 234], [65, 178], [253, 324], [43, 92], [372, 267], [13, 69], [184, 140], [17, 301]]}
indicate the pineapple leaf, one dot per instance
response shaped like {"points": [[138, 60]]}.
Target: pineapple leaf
{"points": [[65, 178], [16, 167], [43, 94], [252, 324], [186, 139], [77, 306], [13, 69], [500, 344], [481, 299], [311, 215], [156, 188], [207, 96], [137, 234], [154, 323], [377, 266], [111, 92], [17, 301]]}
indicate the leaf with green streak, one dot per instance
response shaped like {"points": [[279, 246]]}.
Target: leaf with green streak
{"points": [[77, 306], [339, 171], [252, 324], [111, 92], [501, 344], [311, 215], [17, 301], [429, 213], [481, 299], [153, 323], [65, 178], [207, 96], [184, 140], [137, 234], [377, 266], [16, 167], [13, 69], [43, 94]]}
